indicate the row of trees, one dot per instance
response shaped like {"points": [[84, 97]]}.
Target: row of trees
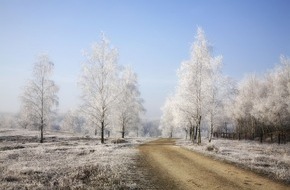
{"points": [[110, 94], [263, 103], [205, 97]]}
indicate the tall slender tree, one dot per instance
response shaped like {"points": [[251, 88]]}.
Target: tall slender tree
{"points": [[129, 106], [218, 90], [99, 83], [40, 95], [193, 81]]}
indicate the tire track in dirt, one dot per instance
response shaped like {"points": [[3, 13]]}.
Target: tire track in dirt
{"points": [[172, 167]]}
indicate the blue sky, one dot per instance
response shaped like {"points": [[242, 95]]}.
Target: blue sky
{"points": [[153, 36]]}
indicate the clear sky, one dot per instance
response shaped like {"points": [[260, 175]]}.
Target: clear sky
{"points": [[153, 36]]}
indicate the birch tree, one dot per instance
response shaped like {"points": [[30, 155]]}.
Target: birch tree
{"points": [[129, 105], [215, 92], [39, 97], [99, 84], [193, 81]]}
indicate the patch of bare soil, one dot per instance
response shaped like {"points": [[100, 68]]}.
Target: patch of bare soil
{"points": [[172, 167]]}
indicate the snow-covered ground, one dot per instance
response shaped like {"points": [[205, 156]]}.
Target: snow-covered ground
{"points": [[66, 161], [272, 160]]}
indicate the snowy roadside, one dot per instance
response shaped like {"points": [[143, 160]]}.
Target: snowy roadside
{"points": [[272, 160], [67, 162]]}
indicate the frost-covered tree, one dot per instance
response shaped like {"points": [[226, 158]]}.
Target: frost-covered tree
{"points": [[167, 123], [129, 106], [39, 97], [262, 103], [216, 91], [73, 122], [247, 104], [201, 91], [99, 83], [176, 118], [278, 102], [194, 76], [23, 119]]}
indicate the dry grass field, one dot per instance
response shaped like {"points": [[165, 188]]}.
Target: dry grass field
{"points": [[66, 162]]}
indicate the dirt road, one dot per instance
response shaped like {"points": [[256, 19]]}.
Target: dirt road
{"points": [[172, 167]]}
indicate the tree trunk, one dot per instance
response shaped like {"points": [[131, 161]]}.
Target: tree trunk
{"points": [[41, 130], [190, 133], [199, 135], [42, 111], [41, 133], [195, 133], [123, 131], [193, 136], [102, 132], [211, 132]]}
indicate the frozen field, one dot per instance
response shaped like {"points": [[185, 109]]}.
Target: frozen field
{"points": [[272, 160], [66, 162]]}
